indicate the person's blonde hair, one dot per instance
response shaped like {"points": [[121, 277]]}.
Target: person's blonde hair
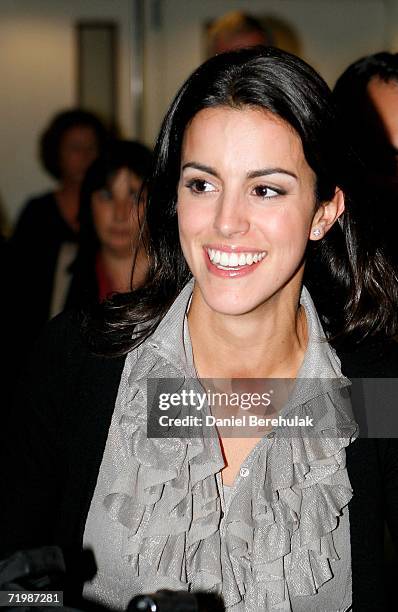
{"points": [[232, 24]]}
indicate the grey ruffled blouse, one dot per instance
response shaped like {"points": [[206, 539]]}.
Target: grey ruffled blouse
{"points": [[159, 519]]}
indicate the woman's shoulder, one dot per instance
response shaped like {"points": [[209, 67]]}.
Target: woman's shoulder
{"points": [[373, 371], [64, 357], [37, 214], [376, 358], [39, 205], [62, 334], [69, 333], [46, 198]]}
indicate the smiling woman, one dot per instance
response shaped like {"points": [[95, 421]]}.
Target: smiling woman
{"points": [[251, 227], [246, 209]]}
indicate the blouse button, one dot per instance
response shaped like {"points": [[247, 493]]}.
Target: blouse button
{"points": [[244, 472], [271, 434]]}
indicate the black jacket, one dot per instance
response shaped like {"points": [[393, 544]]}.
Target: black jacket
{"points": [[34, 248], [57, 432]]}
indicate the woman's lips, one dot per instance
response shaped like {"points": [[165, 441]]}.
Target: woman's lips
{"points": [[232, 262], [117, 233]]}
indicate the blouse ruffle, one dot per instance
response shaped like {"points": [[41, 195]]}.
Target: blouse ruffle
{"points": [[276, 540]]}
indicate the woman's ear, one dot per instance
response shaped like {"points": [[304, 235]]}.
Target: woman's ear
{"points": [[326, 215]]}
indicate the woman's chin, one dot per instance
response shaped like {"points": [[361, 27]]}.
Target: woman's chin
{"points": [[119, 250], [225, 303]]}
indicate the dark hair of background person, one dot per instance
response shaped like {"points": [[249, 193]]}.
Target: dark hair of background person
{"points": [[132, 155], [357, 114], [375, 142], [51, 138], [350, 280]]}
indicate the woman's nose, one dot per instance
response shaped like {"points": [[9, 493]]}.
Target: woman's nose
{"points": [[121, 209], [231, 217]]}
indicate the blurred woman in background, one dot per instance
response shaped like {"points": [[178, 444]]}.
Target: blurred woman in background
{"points": [[111, 213], [44, 242]]}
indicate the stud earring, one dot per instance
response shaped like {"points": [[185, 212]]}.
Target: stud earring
{"points": [[317, 231]]}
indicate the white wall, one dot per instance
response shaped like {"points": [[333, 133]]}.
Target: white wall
{"points": [[37, 76], [391, 7]]}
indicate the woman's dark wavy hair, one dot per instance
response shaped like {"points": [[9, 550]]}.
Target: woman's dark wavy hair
{"points": [[50, 140], [351, 282], [350, 88], [355, 109]]}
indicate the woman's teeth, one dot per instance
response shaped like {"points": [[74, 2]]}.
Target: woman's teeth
{"points": [[227, 261]]}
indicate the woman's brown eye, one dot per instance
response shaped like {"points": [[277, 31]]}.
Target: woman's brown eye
{"points": [[105, 194], [262, 191], [199, 186]]}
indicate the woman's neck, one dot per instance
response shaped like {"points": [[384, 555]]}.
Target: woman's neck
{"points": [[67, 198], [269, 342], [118, 269]]}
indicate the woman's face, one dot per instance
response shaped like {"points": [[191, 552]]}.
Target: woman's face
{"points": [[78, 149], [246, 206], [117, 214]]}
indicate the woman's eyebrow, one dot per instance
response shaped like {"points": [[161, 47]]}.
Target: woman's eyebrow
{"points": [[268, 171], [202, 167], [250, 175]]}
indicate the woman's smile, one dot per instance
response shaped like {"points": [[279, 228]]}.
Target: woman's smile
{"points": [[232, 262]]}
